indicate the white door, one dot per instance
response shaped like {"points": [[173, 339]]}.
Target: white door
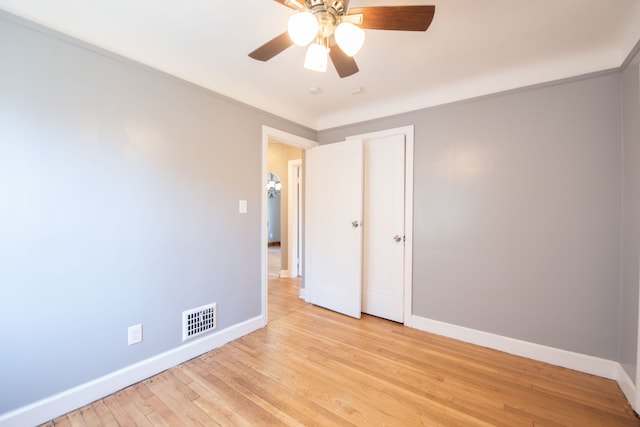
{"points": [[334, 232], [384, 231]]}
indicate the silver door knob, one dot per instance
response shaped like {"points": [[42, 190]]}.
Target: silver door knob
{"points": [[397, 238], [355, 224]]}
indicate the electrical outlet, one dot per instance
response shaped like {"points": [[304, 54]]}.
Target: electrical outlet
{"points": [[135, 334]]}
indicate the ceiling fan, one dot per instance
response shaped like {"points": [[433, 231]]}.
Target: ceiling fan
{"points": [[331, 29]]}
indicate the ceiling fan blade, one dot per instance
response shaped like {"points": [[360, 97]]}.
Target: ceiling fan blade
{"points": [[401, 18], [272, 47], [293, 4], [345, 65]]}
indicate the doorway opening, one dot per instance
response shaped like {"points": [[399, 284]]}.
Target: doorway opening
{"points": [[282, 157]]}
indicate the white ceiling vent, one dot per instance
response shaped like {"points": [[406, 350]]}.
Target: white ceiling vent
{"points": [[199, 320]]}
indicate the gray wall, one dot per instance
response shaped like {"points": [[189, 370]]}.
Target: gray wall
{"points": [[517, 207], [630, 218], [114, 180]]}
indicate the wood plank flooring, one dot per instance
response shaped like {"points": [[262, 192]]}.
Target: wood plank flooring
{"points": [[313, 367]]}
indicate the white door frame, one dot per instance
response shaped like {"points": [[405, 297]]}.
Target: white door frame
{"points": [[294, 216], [275, 135], [407, 131]]}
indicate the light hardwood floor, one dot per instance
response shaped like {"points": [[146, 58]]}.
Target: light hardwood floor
{"points": [[310, 366]]}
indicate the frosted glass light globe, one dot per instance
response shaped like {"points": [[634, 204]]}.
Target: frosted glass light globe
{"points": [[303, 28], [316, 57], [349, 37]]}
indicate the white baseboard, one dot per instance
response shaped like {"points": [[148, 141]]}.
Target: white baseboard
{"points": [[285, 273], [59, 404], [626, 385], [77, 397], [303, 294], [579, 362]]}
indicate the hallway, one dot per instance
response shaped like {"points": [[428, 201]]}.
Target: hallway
{"points": [[274, 261]]}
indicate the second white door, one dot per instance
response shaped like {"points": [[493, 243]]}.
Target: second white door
{"points": [[384, 230]]}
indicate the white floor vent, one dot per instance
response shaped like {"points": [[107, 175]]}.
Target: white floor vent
{"points": [[199, 320]]}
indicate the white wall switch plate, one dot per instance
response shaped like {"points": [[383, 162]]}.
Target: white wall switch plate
{"points": [[135, 334], [242, 207]]}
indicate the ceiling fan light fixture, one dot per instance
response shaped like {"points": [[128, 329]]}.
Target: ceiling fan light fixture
{"points": [[303, 28], [333, 23], [349, 37], [316, 57]]}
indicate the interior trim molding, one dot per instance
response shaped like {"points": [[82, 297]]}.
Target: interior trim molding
{"points": [[77, 397], [626, 385], [285, 273], [567, 359]]}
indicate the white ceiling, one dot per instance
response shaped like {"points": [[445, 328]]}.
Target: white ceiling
{"points": [[473, 47]]}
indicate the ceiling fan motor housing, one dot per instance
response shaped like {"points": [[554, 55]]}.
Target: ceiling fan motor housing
{"points": [[339, 6], [328, 14]]}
